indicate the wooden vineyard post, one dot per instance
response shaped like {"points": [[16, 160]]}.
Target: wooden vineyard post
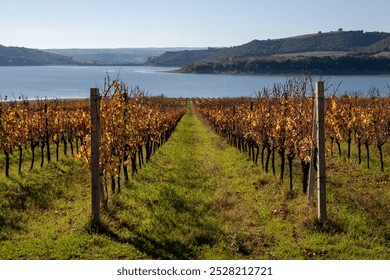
{"points": [[95, 144], [321, 178], [319, 138], [313, 159]]}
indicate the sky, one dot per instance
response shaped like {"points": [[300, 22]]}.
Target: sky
{"points": [[179, 23]]}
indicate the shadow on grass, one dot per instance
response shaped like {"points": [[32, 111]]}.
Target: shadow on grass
{"points": [[153, 248], [17, 196], [179, 226]]}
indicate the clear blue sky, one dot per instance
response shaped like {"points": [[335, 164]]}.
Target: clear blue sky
{"points": [[178, 23]]}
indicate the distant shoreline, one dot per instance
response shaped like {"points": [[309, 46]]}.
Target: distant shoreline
{"points": [[180, 70], [344, 65], [290, 73], [316, 73], [81, 65]]}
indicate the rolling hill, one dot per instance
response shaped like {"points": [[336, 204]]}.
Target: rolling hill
{"points": [[288, 54], [121, 56], [340, 52], [19, 56], [16, 56]]}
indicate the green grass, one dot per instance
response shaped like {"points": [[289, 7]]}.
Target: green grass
{"points": [[198, 198]]}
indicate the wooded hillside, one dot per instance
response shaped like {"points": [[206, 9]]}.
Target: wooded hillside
{"points": [[302, 51]]}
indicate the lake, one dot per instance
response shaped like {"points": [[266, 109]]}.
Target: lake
{"points": [[75, 81]]}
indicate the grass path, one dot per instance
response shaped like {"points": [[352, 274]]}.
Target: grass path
{"points": [[193, 198], [198, 198]]}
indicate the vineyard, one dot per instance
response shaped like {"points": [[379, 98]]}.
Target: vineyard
{"points": [[131, 123], [280, 121], [236, 193]]}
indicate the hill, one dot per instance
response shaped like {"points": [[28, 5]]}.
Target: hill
{"points": [[381, 46], [17, 56], [174, 59], [129, 56], [316, 65], [331, 43]]}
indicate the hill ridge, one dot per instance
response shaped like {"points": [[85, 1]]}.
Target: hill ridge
{"points": [[21, 56], [348, 41]]}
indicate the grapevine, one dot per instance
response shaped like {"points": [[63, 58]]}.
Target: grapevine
{"points": [[280, 119]]}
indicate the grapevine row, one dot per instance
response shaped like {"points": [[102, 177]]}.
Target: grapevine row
{"points": [[39, 123], [133, 127], [280, 121], [131, 123]]}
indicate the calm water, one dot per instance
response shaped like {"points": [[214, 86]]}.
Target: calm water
{"points": [[75, 81]]}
